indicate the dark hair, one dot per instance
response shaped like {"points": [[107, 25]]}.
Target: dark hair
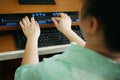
{"points": [[107, 12]]}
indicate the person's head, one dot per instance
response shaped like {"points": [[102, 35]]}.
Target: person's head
{"points": [[103, 16]]}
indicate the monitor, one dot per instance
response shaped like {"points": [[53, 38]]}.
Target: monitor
{"points": [[48, 2]]}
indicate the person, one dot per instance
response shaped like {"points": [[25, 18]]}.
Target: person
{"points": [[97, 58]]}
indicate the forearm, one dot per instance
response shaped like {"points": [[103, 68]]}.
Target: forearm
{"points": [[31, 52], [73, 37]]}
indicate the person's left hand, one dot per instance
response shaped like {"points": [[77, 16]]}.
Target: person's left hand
{"points": [[30, 28]]}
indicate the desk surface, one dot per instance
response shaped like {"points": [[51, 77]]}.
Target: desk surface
{"points": [[12, 6], [7, 43]]}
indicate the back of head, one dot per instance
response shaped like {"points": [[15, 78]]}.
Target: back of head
{"points": [[108, 15]]}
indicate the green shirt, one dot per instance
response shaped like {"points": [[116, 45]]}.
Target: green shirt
{"points": [[76, 63]]}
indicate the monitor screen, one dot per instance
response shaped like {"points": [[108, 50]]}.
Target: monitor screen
{"points": [[48, 2]]}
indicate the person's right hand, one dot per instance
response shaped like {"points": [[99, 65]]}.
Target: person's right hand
{"points": [[63, 23], [30, 28]]}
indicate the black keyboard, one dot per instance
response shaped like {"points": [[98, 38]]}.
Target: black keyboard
{"points": [[9, 20], [48, 37]]}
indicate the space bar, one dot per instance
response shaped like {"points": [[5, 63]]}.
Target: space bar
{"points": [[42, 51]]}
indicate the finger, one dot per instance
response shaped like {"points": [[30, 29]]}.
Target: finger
{"points": [[55, 21], [61, 15], [57, 18], [33, 20], [27, 20], [69, 17], [37, 24], [66, 15], [21, 24], [24, 22]]}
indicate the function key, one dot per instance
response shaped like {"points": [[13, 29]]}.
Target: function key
{"points": [[55, 14], [37, 14], [43, 14], [33, 15], [40, 14]]}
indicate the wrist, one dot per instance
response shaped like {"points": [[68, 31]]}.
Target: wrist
{"points": [[32, 39], [68, 32]]}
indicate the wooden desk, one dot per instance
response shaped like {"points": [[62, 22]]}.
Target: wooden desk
{"points": [[7, 42], [12, 6]]}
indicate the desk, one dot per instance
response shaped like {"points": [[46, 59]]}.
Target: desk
{"points": [[7, 43], [12, 6]]}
